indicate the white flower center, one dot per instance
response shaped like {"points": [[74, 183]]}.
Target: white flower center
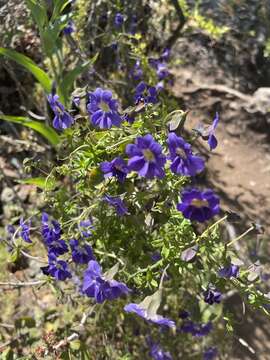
{"points": [[179, 151], [104, 106], [148, 155], [199, 203]]}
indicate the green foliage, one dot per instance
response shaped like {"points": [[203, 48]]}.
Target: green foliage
{"points": [[66, 84], [30, 66], [208, 25], [43, 129]]}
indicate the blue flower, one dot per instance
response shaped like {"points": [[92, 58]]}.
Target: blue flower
{"points": [[86, 227], [51, 233], [212, 140], [157, 319], [133, 24], [210, 353], [197, 330], [101, 287], [62, 119], [146, 157], [183, 160], [117, 167], [184, 314], [229, 271], [70, 28], [103, 109], [147, 309], [212, 295], [11, 232], [56, 268], [199, 205], [117, 203], [145, 93], [162, 71], [157, 353], [209, 133], [165, 56], [156, 256], [81, 254], [130, 118], [76, 101], [25, 231], [118, 20], [137, 72]]}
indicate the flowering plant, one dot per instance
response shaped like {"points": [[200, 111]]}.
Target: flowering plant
{"points": [[129, 237]]}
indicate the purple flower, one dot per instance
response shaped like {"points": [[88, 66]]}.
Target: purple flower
{"points": [[101, 287], [229, 271], [56, 268], [146, 157], [147, 309], [162, 71], [62, 119], [160, 86], [76, 101], [208, 133], [157, 319], [165, 56], [197, 330], [51, 233], [145, 93], [69, 29], [212, 295], [210, 353], [81, 254], [137, 71], [130, 118], [11, 232], [118, 20], [50, 230], [183, 160], [184, 314], [156, 256], [25, 231], [212, 140], [102, 109], [157, 353], [114, 46], [117, 167], [199, 205], [117, 203], [133, 24], [86, 228]]}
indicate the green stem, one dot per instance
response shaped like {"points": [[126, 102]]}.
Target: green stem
{"points": [[154, 266], [211, 227], [241, 236]]}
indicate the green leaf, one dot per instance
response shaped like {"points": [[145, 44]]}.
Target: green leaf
{"points": [[41, 182], [29, 65], [45, 130], [25, 322], [7, 354], [50, 35], [38, 11], [59, 6], [66, 84]]}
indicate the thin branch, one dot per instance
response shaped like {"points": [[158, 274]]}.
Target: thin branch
{"points": [[22, 284], [35, 258], [75, 335]]}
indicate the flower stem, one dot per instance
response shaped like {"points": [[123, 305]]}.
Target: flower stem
{"points": [[241, 236]]}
